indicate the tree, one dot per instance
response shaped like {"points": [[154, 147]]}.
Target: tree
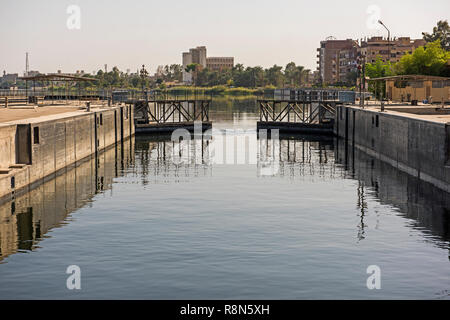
{"points": [[441, 32], [295, 74], [428, 60], [275, 76], [291, 72], [377, 70]]}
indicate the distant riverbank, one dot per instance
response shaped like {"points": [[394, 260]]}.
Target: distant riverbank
{"points": [[217, 90]]}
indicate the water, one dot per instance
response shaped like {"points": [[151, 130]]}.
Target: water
{"points": [[140, 227]]}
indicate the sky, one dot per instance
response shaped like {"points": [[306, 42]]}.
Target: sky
{"points": [[130, 33]]}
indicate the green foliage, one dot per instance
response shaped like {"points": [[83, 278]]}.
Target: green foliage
{"points": [[253, 77], [214, 90], [428, 60], [379, 69], [441, 32]]}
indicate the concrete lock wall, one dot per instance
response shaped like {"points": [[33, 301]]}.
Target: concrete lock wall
{"points": [[7, 145], [55, 144], [30, 218], [418, 147]]}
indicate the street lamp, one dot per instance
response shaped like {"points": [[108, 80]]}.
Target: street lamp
{"points": [[389, 38]]}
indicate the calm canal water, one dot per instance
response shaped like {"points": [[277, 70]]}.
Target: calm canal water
{"points": [[141, 227]]}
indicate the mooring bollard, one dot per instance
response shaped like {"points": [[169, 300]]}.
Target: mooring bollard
{"points": [[382, 106], [6, 102], [88, 106]]}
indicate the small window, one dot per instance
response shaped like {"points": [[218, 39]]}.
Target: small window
{"points": [[377, 121], [101, 119], [36, 135]]}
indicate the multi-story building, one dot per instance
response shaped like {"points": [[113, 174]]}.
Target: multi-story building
{"points": [[330, 68], [198, 56], [195, 55], [388, 50], [348, 65], [219, 63], [337, 59]]}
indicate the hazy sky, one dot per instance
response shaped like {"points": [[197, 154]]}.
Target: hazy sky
{"points": [[130, 33]]}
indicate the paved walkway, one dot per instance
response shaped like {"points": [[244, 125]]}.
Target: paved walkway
{"points": [[424, 112], [18, 113]]}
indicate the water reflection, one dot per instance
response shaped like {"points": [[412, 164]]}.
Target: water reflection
{"points": [[161, 160], [306, 156], [27, 220], [427, 207], [24, 222]]}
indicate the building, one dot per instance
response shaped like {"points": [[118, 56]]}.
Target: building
{"points": [[219, 63], [348, 65], [10, 77], [195, 55], [388, 50], [331, 51], [417, 88], [337, 59], [32, 73], [198, 55]]}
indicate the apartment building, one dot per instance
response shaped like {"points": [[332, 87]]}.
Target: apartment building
{"points": [[388, 50], [336, 59]]}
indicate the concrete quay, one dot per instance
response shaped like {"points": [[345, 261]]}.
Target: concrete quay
{"points": [[414, 140], [38, 142]]}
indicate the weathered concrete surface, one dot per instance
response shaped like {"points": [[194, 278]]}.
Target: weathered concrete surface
{"points": [[416, 199], [53, 142], [14, 114], [416, 144]]}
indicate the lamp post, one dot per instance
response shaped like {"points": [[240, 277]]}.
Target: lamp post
{"points": [[389, 39]]}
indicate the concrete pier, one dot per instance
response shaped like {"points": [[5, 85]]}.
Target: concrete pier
{"points": [[414, 142], [36, 143]]}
